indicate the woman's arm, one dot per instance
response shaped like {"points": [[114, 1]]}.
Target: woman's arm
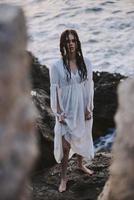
{"points": [[55, 103], [90, 91]]}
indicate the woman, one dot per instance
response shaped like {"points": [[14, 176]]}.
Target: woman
{"points": [[72, 103]]}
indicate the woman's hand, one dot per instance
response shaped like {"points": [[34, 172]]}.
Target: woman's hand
{"points": [[88, 115], [61, 118]]}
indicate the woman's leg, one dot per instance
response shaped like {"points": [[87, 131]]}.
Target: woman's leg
{"points": [[82, 166], [64, 163]]}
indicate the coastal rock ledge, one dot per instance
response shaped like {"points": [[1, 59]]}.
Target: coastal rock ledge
{"points": [[80, 186]]}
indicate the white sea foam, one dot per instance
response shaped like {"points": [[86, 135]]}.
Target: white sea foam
{"points": [[105, 142]]}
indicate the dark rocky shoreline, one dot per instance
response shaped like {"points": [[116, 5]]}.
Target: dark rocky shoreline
{"points": [[80, 186]]}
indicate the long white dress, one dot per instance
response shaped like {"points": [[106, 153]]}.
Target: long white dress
{"points": [[74, 97]]}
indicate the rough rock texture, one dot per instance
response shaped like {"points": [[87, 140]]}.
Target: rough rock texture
{"points": [[105, 101], [18, 148], [39, 75], [45, 126], [121, 182], [80, 186]]}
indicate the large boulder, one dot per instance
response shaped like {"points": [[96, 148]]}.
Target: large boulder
{"points": [[105, 101], [45, 121], [121, 179]]}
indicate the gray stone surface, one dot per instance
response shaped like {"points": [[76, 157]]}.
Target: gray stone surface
{"points": [[121, 181], [18, 148]]}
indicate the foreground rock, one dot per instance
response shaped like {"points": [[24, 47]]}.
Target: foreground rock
{"points": [[18, 148], [121, 181], [80, 186]]}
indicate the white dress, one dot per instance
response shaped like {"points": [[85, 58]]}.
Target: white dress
{"points": [[74, 97]]}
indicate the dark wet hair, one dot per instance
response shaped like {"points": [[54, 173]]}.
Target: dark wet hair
{"points": [[82, 70]]}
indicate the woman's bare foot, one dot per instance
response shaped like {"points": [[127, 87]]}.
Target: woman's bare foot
{"points": [[86, 170], [63, 185]]}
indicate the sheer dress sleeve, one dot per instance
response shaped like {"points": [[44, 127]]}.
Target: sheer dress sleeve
{"points": [[90, 105], [55, 98]]}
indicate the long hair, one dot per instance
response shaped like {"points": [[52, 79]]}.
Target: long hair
{"points": [[82, 70]]}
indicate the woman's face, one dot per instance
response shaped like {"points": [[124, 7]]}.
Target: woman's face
{"points": [[71, 44]]}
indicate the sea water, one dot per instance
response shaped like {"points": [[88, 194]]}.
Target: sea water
{"points": [[105, 28]]}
